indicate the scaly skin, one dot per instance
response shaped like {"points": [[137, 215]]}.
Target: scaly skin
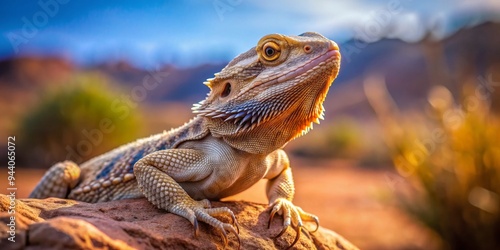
{"points": [[261, 100]]}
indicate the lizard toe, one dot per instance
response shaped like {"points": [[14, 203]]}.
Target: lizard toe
{"points": [[205, 203], [206, 215], [224, 211], [292, 216]]}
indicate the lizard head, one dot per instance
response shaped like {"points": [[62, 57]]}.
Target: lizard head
{"points": [[275, 89]]}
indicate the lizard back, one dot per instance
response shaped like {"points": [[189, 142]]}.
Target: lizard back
{"points": [[103, 176]]}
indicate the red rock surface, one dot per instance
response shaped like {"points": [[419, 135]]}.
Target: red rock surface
{"points": [[136, 224]]}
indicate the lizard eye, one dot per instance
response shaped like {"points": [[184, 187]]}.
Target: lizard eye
{"points": [[271, 51], [227, 90]]}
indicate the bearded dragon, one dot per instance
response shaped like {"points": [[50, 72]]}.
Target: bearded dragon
{"points": [[260, 101]]}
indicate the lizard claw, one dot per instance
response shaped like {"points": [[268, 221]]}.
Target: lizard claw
{"points": [[232, 230], [316, 220], [196, 228], [298, 230], [206, 215], [309, 217], [197, 211], [282, 232], [292, 215], [275, 209]]}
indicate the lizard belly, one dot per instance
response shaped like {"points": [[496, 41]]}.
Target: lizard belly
{"points": [[232, 170], [222, 184]]}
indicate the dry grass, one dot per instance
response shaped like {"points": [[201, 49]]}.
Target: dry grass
{"points": [[450, 153]]}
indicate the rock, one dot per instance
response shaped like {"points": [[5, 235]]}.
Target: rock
{"points": [[136, 224]]}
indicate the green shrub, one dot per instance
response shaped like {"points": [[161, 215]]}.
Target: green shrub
{"points": [[76, 122]]}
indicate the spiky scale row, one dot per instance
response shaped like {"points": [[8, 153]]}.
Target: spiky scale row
{"points": [[244, 118]]}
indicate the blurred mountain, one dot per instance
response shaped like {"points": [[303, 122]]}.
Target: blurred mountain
{"points": [[470, 55], [173, 83], [408, 68]]}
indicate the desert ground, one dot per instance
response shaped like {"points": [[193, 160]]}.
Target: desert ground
{"points": [[350, 200]]}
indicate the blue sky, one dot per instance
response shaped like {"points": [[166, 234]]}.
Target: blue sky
{"points": [[149, 33]]}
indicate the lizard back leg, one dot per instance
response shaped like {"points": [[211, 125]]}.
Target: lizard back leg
{"points": [[57, 181]]}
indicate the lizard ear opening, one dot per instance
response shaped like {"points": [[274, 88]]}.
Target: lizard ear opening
{"points": [[226, 91]]}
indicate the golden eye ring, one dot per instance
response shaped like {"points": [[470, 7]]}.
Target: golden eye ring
{"points": [[271, 51]]}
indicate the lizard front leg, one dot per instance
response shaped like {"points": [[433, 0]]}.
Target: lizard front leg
{"points": [[280, 192], [158, 176]]}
